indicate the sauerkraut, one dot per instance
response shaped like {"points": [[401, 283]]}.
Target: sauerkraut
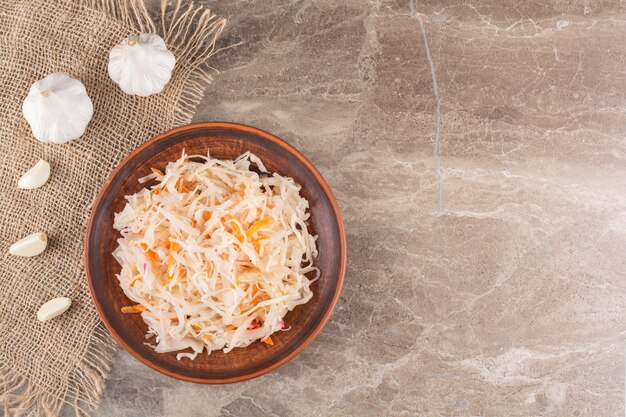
{"points": [[214, 253]]}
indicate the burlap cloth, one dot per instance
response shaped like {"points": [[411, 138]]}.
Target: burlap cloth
{"points": [[44, 366]]}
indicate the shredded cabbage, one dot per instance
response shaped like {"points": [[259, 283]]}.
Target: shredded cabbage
{"points": [[215, 254]]}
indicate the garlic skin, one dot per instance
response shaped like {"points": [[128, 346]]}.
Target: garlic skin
{"points": [[141, 65], [31, 245], [57, 108], [36, 176], [53, 308]]}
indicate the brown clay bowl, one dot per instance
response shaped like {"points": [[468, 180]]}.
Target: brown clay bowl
{"points": [[225, 141]]}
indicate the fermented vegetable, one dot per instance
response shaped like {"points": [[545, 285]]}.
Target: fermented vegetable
{"points": [[215, 253]]}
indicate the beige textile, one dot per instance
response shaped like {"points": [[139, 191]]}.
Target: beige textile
{"points": [[65, 361]]}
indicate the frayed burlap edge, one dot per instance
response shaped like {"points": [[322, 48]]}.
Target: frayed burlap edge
{"points": [[191, 31]]}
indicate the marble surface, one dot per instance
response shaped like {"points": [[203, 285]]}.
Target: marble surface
{"points": [[478, 154]]}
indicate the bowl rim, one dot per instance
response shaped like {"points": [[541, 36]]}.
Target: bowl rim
{"points": [[342, 242]]}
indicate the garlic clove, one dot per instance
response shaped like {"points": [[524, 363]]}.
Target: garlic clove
{"points": [[31, 245], [53, 308], [36, 176], [57, 108], [141, 65]]}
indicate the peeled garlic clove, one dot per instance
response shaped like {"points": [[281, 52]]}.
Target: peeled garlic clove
{"points": [[57, 108], [53, 308], [141, 65], [36, 176], [31, 245]]}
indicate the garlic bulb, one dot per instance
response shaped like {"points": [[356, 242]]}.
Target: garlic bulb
{"points": [[141, 65], [57, 108]]}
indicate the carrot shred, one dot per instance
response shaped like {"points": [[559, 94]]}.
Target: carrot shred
{"points": [[229, 221], [149, 252], [255, 291], [240, 237], [181, 186], [137, 308], [157, 171], [231, 327], [173, 247], [269, 341], [256, 226], [206, 216], [255, 295], [157, 191], [137, 278], [170, 263]]}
